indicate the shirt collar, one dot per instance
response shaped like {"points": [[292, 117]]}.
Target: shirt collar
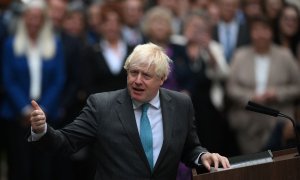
{"points": [[155, 102], [228, 24]]}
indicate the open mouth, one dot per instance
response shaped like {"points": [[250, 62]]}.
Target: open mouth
{"points": [[138, 89]]}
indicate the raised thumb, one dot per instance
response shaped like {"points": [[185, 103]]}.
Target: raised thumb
{"points": [[35, 105]]}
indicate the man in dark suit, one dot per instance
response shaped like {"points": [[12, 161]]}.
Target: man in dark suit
{"points": [[229, 31], [140, 132]]}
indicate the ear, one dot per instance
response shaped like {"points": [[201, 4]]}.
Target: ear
{"points": [[162, 80]]}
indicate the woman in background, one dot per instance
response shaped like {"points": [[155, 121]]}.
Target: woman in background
{"points": [[266, 74], [288, 29], [272, 9], [33, 68], [158, 29], [102, 62]]}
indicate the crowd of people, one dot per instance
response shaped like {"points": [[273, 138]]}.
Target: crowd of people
{"points": [[224, 53]]}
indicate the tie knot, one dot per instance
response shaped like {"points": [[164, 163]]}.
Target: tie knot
{"points": [[145, 107]]}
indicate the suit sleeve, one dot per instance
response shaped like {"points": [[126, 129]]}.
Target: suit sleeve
{"points": [[81, 132], [192, 147]]}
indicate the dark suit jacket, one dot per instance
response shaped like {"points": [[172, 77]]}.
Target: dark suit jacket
{"points": [[243, 36], [108, 123]]}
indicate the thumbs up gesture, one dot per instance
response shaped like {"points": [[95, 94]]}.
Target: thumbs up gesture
{"points": [[37, 119]]}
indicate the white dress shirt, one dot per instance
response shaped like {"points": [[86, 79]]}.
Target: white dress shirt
{"points": [[156, 122], [34, 61], [155, 118]]}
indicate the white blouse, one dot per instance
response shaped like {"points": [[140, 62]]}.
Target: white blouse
{"points": [[114, 57], [35, 71], [262, 66]]}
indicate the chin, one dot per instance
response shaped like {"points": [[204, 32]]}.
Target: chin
{"points": [[139, 98], [136, 97]]}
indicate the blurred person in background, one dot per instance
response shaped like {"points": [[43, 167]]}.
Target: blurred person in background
{"points": [[209, 6], [196, 5], [288, 29], [288, 36], [252, 8], [266, 74], [93, 22], [214, 13], [74, 29], [133, 12], [201, 47], [102, 62], [272, 9], [33, 68], [208, 71], [74, 23], [178, 9], [72, 45], [3, 28], [11, 14], [70, 29], [295, 2], [158, 29], [56, 12], [229, 31]]}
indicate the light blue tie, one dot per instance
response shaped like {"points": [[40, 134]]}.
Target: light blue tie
{"points": [[228, 48], [146, 135]]}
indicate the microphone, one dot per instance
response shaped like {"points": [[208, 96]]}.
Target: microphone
{"points": [[251, 106], [262, 109]]}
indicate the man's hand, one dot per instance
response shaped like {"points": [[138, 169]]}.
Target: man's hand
{"points": [[37, 119], [214, 158]]}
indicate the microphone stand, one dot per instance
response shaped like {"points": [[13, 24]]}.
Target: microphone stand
{"points": [[297, 140], [251, 106]]}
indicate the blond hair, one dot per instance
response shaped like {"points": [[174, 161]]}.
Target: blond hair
{"points": [[147, 55], [154, 14], [46, 37]]}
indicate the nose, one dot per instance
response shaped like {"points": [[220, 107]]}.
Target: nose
{"points": [[138, 79]]}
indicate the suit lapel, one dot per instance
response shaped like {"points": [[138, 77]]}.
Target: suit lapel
{"points": [[167, 110], [125, 112]]}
